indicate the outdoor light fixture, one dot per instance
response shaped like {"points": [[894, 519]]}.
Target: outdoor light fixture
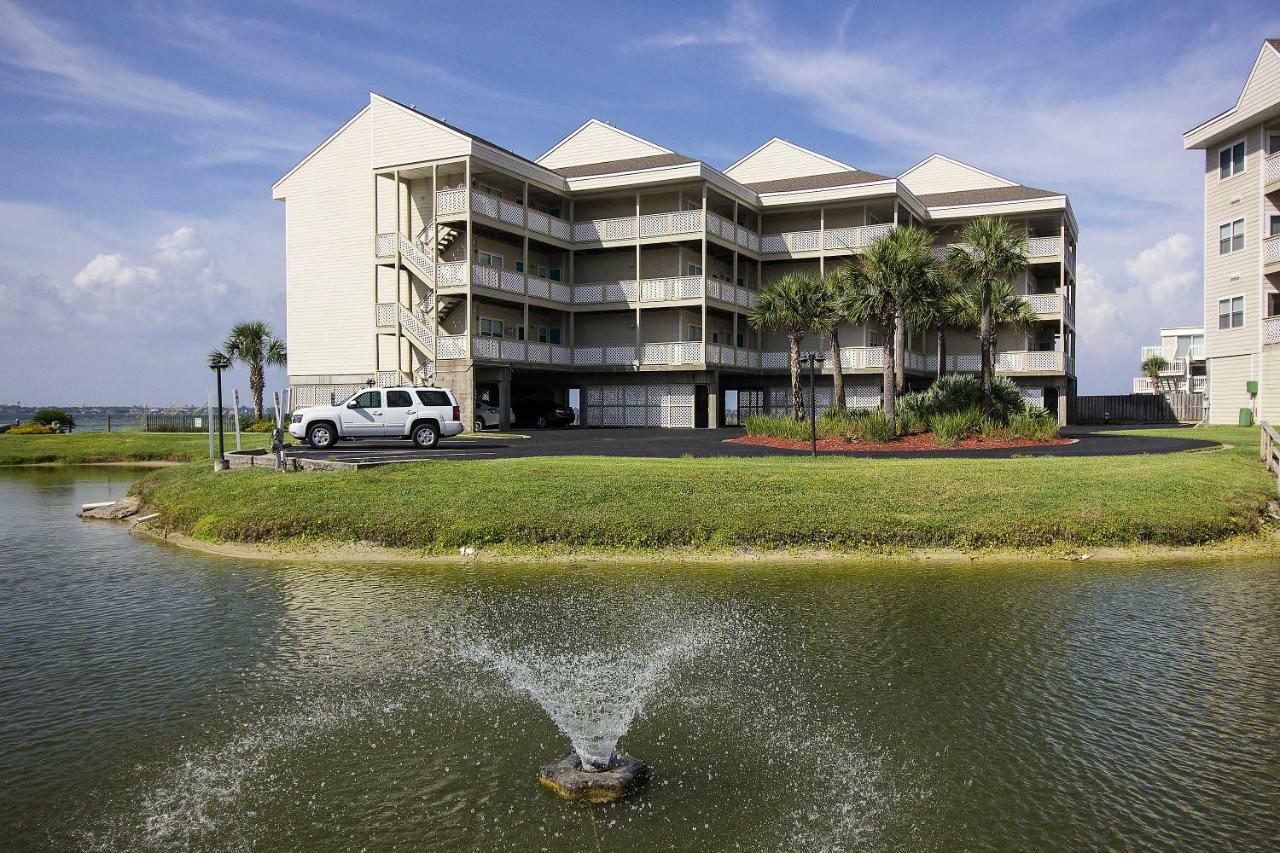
{"points": [[815, 360], [218, 363]]}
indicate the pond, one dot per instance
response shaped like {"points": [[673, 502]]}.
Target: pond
{"points": [[155, 698]]}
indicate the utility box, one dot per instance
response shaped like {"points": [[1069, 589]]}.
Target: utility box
{"points": [[1246, 417], [1252, 386]]}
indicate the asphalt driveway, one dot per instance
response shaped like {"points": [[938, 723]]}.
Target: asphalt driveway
{"points": [[672, 443]]}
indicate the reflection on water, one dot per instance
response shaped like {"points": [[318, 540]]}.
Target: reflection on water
{"points": [[154, 698]]}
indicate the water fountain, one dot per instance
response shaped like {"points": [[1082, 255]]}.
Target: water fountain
{"points": [[593, 698]]}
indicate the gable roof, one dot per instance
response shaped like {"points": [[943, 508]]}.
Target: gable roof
{"points": [[446, 126], [596, 141], [289, 174], [632, 164], [939, 173], [990, 195], [778, 158], [848, 178], [1256, 102]]}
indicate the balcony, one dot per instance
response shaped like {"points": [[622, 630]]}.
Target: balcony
{"points": [[1050, 305], [666, 354], [1271, 172], [633, 292], [1271, 330], [647, 225], [849, 239], [731, 232], [453, 202], [1271, 253], [1038, 249]]}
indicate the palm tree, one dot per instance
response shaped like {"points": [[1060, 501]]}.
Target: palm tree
{"points": [[992, 251], [252, 344], [835, 310], [880, 283], [792, 304], [940, 307], [1152, 368]]}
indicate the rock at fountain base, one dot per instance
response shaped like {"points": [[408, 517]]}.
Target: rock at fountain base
{"points": [[567, 778]]}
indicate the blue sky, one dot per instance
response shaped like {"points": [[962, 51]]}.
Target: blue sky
{"points": [[140, 140]]}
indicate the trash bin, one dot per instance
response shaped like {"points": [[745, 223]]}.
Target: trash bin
{"points": [[1246, 417]]}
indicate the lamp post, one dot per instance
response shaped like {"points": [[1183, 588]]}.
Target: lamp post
{"points": [[814, 359], [218, 363]]}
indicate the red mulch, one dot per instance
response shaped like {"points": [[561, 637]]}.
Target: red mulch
{"points": [[920, 441]]}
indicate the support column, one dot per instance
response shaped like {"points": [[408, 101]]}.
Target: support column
{"points": [[399, 301], [470, 306], [639, 359], [377, 336], [822, 240], [504, 400], [704, 273]]}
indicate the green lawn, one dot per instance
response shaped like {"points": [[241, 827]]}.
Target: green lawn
{"points": [[80, 448], [778, 502]]}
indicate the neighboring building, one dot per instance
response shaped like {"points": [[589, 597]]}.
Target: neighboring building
{"points": [[1183, 349], [615, 274], [1242, 246]]}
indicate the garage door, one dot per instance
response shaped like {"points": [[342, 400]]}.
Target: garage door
{"points": [[638, 405]]}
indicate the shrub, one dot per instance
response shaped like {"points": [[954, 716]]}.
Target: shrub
{"points": [[1036, 424], [264, 425], [834, 423], [50, 415], [956, 392], [873, 426], [777, 426], [949, 428], [992, 428], [32, 428]]}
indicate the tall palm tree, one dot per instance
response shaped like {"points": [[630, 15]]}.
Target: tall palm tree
{"points": [[992, 251], [792, 304], [1008, 310], [252, 344], [880, 283], [835, 310], [940, 306]]}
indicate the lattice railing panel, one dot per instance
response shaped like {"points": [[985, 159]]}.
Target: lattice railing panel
{"points": [[1044, 247], [451, 201], [451, 346], [385, 314]]}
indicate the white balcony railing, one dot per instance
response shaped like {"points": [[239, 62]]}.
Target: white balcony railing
{"points": [[1142, 385], [1271, 250], [1045, 303], [653, 354], [1037, 247], [553, 226], [731, 293], [674, 352], [732, 232], [1271, 330], [451, 201], [1031, 361], [853, 238], [1198, 384], [1272, 167], [631, 292]]}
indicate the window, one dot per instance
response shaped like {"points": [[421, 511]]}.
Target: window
{"points": [[490, 328], [1231, 160], [553, 335], [1231, 313], [1273, 143], [742, 281], [520, 333], [369, 400], [435, 398], [399, 400], [1274, 230], [489, 259], [554, 273], [519, 266], [1231, 237], [1273, 304], [715, 337], [695, 269], [742, 340], [695, 333]]}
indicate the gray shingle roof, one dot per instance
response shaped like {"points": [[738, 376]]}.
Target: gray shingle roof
{"points": [[633, 164], [987, 196], [818, 182]]}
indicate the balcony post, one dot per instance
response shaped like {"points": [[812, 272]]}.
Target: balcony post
{"points": [[822, 241], [399, 299], [377, 337], [434, 255], [704, 271], [466, 213]]}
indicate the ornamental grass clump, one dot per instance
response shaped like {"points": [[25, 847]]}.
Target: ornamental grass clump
{"points": [[775, 426], [873, 426], [950, 428], [1037, 425]]}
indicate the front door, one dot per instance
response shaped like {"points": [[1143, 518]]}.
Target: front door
{"points": [[395, 415], [700, 397], [363, 415]]}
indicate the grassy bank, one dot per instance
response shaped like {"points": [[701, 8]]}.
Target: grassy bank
{"points": [[725, 503], [83, 448]]}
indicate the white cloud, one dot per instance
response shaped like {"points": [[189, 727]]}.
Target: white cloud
{"points": [[1167, 270], [112, 272]]}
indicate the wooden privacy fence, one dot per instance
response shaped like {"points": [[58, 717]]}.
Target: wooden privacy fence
{"points": [[1270, 450], [1142, 408]]}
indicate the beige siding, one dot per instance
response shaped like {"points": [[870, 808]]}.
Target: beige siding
{"points": [[780, 159], [1269, 399], [940, 175], [597, 142], [328, 250], [1228, 393], [1236, 273], [1263, 88], [400, 136], [598, 330]]}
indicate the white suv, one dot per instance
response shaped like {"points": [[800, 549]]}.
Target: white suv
{"points": [[420, 414]]}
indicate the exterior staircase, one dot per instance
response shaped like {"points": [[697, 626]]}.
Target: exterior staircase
{"points": [[419, 257]]}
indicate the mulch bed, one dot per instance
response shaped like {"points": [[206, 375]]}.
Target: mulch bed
{"points": [[921, 441]]}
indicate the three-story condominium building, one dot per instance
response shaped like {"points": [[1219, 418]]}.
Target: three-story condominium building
{"points": [[615, 274], [1242, 246], [1182, 348]]}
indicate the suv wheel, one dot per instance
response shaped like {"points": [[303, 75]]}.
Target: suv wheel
{"points": [[541, 422], [321, 436], [426, 436], [479, 427]]}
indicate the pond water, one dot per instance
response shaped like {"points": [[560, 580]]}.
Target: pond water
{"points": [[153, 698]]}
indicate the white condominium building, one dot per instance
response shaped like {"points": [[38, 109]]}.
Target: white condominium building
{"points": [[616, 275], [1182, 348], [1242, 246]]}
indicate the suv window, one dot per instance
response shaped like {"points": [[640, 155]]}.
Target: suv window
{"points": [[434, 398], [370, 400], [399, 400]]}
